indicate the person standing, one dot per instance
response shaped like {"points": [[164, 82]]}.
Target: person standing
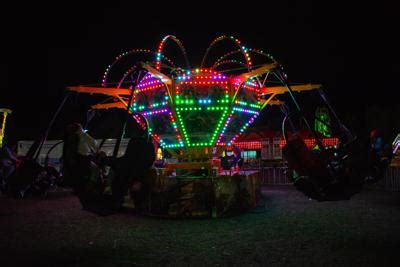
{"points": [[132, 171], [78, 162]]}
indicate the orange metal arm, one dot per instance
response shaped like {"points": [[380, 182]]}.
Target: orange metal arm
{"points": [[257, 72], [276, 102], [164, 78], [100, 90], [282, 89], [109, 105]]}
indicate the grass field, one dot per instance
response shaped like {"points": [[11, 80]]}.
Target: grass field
{"points": [[290, 231]]}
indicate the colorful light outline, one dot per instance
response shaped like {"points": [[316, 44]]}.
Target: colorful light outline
{"points": [[239, 96]]}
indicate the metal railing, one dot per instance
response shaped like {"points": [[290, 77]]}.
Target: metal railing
{"points": [[275, 176], [281, 176], [391, 181], [270, 175]]}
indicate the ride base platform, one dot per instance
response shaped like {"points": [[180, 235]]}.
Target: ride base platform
{"points": [[182, 196]]}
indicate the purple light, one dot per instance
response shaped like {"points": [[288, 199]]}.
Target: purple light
{"points": [[155, 112]]}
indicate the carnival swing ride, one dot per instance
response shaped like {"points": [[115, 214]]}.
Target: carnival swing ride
{"points": [[195, 114]]}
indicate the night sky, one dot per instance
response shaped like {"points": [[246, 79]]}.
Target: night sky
{"points": [[350, 48]]}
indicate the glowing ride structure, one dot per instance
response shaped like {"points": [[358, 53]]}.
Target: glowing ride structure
{"points": [[195, 113]]}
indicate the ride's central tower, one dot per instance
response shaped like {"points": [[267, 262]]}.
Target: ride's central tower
{"points": [[194, 111]]}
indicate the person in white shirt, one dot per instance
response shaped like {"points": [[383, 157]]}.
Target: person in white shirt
{"points": [[87, 145], [79, 164]]}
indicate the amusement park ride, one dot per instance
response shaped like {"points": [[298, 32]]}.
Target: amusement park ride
{"points": [[195, 114]]}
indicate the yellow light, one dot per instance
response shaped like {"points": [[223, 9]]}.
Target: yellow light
{"points": [[5, 113], [159, 154]]}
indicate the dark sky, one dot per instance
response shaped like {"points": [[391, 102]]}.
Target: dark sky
{"points": [[350, 48]]}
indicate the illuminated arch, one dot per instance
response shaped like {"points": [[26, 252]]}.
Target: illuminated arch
{"points": [[160, 49], [237, 42], [124, 55]]}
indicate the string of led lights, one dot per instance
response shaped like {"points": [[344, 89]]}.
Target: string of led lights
{"points": [[223, 58], [159, 55], [237, 42], [225, 62], [124, 55], [192, 97], [191, 108]]}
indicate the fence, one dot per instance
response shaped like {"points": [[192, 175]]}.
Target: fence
{"points": [[391, 181], [280, 176], [273, 175]]}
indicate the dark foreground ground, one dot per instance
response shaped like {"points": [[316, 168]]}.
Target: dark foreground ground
{"points": [[291, 231]]}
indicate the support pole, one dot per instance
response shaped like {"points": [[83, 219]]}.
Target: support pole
{"points": [[348, 134], [125, 121], [286, 118], [283, 81], [33, 152], [3, 127]]}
